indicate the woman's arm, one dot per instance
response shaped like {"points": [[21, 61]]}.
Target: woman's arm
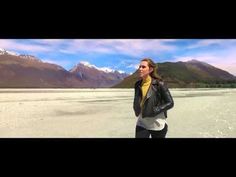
{"points": [[168, 102]]}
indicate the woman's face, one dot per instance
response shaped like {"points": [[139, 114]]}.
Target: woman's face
{"points": [[144, 69]]}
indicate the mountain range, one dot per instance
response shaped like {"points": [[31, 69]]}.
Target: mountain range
{"points": [[192, 73], [27, 71]]}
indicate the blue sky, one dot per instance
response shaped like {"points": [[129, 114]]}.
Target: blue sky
{"points": [[125, 54]]}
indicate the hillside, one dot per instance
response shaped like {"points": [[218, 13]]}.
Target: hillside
{"points": [[187, 74]]}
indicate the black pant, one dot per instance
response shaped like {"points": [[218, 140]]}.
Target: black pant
{"points": [[141, 132]]}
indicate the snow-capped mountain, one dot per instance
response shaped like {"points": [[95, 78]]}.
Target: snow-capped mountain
{"points": [[22, 56], [24, 71], [104, 69], [6, 52], [97, 77], [30, 57]]}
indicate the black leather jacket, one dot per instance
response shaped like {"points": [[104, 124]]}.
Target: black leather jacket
{"points": [[157, 100]]}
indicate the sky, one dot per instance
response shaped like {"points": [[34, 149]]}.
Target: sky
{"points": [[125, 54]]}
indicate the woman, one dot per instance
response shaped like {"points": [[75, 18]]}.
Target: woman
{"points": [[151, 101]]}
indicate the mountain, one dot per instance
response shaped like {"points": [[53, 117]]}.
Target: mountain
{"points": [[97, 77], [192, 73], [5, 52], [27, 71]]}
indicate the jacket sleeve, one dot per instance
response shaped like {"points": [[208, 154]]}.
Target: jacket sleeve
{"points": [[136, 104], [167, 100]]}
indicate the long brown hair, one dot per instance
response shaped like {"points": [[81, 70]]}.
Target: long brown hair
{"points": [[151, 63]]}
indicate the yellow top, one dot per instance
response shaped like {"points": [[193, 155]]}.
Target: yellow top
{"points": [[144, 87]]}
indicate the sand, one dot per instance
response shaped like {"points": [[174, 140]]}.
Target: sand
{"points": [[108, 113]]}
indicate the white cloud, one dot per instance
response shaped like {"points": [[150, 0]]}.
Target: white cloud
{"points": [[129, 63], [208, 42], [133, 47], [50, 41], [135, 66], [67, 51], [13, 45]]}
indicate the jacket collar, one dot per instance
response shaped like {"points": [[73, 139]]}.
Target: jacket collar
{"points": [[154, 82], [149, 93]]}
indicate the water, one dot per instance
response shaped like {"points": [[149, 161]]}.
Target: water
{"points": [[108, 113]]}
